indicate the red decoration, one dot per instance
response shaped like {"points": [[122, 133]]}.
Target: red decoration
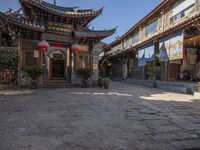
{"points": [[43, 45], [76, 48], [5, 75], [58, 45], [10, 75]]}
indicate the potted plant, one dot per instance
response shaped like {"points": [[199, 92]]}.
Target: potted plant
{"points": [[85, 74], [106, 83], [34, 73], [100, 82]]}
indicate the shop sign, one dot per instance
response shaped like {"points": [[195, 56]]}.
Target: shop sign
{"points": [[57, 56], [59, 38], [59, 27], [171, 48], [146, 54]]}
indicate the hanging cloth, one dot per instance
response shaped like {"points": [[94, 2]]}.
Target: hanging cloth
{"points": [[163, 53]]}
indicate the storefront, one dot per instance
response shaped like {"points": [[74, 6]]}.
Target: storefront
{"points": [[171, 56], [191, 53], [174, 58], [147, 60]]}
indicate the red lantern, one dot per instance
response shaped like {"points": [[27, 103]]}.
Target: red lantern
{"points": [[43, 45], [58, 45], [76, 48]]}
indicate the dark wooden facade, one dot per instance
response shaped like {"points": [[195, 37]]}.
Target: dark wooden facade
{"points": [[61, 27]]}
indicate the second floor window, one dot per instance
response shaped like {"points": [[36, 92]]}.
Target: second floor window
{"points": [[184, 8], [135, 38], [30, 60], [151, 28]]}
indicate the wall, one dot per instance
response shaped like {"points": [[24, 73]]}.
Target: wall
{"points": [[97, 49]]}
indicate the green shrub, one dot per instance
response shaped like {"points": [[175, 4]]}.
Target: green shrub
{"points": [[106, 82], [34, 72], [85, 73], [100, 82]]}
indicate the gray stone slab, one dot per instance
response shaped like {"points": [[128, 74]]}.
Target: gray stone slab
{"points": [[124, 117]]}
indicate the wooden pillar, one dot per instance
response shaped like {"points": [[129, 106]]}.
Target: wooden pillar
{"points": [[140, 34], [90, 56], [166, 71], [1, 38], [20, 60]]}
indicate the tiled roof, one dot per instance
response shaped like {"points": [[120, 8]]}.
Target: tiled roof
{"points": [[64, 11], [94, 33], [12, 13], [9, 50], [21, 22]]}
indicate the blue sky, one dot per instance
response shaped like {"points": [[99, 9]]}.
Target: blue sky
{"points": [[121, 13]]}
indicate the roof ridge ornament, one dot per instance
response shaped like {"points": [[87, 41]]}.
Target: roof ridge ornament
{"points": [[102, 8], [54, 2]]}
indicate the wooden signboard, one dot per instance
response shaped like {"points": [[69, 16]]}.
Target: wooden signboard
{"points": [[59, 27], [59, 37], [36, 54], [57, 56]]}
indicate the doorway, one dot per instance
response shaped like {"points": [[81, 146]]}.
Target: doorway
{"points": [[57, 68]]}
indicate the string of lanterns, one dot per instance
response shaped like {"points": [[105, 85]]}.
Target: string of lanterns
{"points": [[44, 45]]}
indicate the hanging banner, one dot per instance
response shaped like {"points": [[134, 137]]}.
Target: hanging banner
{"points": [[171, 48], [146, 54]]}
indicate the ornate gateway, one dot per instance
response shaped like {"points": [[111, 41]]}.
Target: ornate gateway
{"points": [[60, 27]]}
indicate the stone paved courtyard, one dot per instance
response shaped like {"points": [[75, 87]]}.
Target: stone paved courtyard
{"points": [[125, 117]]}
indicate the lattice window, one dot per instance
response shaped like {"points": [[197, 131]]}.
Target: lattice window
{"points": [[29, 58], [8, 64]]}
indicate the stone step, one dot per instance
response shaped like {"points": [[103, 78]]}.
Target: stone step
{"points": [[56, 81], [57, 84]]}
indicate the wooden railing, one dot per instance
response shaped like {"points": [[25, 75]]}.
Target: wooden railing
{"points": [[8, 76]]}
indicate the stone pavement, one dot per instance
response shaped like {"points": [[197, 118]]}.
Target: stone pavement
{"points": [[124, 117]]}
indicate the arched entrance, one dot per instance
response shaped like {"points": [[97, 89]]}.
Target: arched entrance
{"points": [[57, 64]]}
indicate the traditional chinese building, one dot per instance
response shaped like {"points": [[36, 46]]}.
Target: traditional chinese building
{"points": [[60, 29], [163, 46]]}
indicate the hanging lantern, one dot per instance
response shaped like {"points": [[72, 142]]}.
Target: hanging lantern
{"points": [[43, 45], [58, 45], [75, 48]]}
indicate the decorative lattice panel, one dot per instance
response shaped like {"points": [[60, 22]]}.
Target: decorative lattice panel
{"points": [[8, 63]]}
